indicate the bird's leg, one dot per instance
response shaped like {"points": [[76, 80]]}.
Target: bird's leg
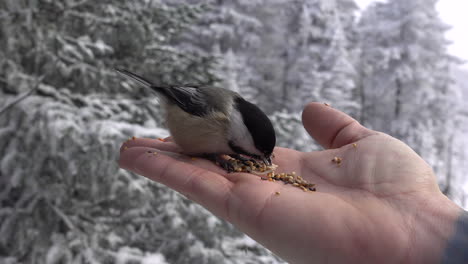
{"points": [[220, 160]]}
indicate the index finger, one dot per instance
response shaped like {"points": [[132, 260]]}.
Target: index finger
{"points": [[203, 186]]}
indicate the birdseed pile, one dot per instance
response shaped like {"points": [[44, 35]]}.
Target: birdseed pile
{"points": [[267, 173]]}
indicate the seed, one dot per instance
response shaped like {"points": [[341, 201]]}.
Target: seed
{"points": [[304, 189], [327, 104], [296, 184], [355, 145], [125, 147], [133, 138], [155, 153], [277, 193], [336, 160], [161, 139]]}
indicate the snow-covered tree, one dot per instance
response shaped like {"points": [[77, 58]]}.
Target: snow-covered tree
{"points": [[282, 54], [78, 43], [229, 31], [405, 76], [456, 182], [290, 133], [347, 13], [320, 67], [314, 62], [63, 198]]}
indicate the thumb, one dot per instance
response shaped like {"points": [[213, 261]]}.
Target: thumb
{"points": [[332, 128]]}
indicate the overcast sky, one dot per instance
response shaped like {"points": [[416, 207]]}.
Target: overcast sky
{"points": [[454, 13]]}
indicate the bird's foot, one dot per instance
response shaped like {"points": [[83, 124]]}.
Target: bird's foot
{"points": [[249, 162], [244, 160], [221, 161]]}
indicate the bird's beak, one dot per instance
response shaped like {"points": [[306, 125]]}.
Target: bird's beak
{"points": [[267, 160]]}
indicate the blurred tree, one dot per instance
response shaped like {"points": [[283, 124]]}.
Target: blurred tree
{"points": [[79, 42], [230, 31], [406, 85], [282, 54], [318, 65], [63, 198], [290, 132]]}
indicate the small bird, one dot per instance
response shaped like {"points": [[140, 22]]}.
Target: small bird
{"points": [[212, 122]]}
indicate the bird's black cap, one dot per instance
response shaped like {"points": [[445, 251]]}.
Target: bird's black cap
{"points": [[258, 124]]}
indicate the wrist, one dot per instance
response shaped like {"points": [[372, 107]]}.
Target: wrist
{"points": [[433, 225]]}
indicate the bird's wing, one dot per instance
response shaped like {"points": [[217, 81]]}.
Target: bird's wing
{"points": [[134, 76], [189, 98]]}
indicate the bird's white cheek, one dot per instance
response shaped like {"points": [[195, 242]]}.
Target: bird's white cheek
{"points": [[240, 135]]}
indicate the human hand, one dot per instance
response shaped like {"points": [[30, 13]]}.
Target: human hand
{"points": [[380, 205]]}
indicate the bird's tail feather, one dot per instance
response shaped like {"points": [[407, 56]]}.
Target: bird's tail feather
{"points": [[135, 77], [167, 92]]}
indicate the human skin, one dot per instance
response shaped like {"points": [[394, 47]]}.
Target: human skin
{"points": [[382, 204]]}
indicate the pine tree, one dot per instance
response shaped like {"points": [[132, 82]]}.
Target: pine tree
{"points": [[63, 197], [230, 32], [405, 76], [78, 43], [283, 54], [307, 59]]}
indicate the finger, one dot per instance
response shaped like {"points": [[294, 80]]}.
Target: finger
{"points": [[151, 143], [203, 186], [163, 145], [330, 127]]}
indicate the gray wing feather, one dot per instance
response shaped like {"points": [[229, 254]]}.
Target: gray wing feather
{"points": [[197, 101]]}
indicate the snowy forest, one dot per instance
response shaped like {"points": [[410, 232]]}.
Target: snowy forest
{"points": [[64, 111]]}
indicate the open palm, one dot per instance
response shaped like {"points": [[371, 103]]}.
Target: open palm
{"points": [[365, 209]]}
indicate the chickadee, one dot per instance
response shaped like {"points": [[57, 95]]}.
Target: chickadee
{"points": [[212, 122]]}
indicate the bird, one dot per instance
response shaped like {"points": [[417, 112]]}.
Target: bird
{"points": [[211, 122]]}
